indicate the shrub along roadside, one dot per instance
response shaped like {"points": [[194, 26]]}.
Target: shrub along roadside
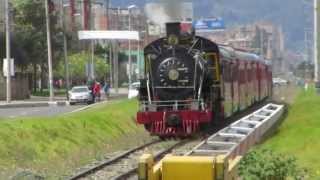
{"points": [[56, 144], [266, 164]]}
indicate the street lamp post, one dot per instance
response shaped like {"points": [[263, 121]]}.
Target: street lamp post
{"points": [[92, 70], [139, 60], [91, 26], [65, 49], [130, 59], [49, 51], [8, 51], [316, 78]]}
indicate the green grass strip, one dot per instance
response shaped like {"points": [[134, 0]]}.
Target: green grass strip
{"points": [[39, 143], [299, 135]]}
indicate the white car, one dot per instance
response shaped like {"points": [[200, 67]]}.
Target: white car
{"points": [[279, 82], [134, 90], [80, 94]]}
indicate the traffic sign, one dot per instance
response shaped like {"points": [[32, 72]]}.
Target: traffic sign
{"points": [[5, 67]]}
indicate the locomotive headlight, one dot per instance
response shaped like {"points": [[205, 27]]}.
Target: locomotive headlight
{"points": [[173, 40], [173, 75]]}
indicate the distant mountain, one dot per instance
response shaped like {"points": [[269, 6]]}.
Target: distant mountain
{"points": [[293, 15]]}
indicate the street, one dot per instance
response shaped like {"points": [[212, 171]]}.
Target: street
{"points": [[37, 111]]}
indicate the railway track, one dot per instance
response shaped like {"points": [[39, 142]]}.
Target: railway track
{"points": [[124, 165], [132, 173]]}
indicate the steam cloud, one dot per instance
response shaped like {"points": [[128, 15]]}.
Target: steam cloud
{"points": [[165, 11]]}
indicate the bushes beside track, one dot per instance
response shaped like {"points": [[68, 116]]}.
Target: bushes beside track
{"points": [[52, 145], [266, 164]]}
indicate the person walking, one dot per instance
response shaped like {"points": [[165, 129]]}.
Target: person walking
{"points": [[106, 90], [96, 90], [91, 85]]}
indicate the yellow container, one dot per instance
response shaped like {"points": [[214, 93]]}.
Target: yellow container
{"points": [[188, 168]]}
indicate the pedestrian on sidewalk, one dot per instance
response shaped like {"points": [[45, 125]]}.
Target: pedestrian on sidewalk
{"points": [[96, 90], [106, 89], [91, 85]]}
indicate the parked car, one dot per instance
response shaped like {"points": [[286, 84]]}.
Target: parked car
{"points": [[133, 90], [80, 94], [279, 82]]}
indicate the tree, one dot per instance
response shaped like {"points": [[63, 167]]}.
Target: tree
{"points": [[77, 67], [30, 30], [304, 70], [18, 53]]}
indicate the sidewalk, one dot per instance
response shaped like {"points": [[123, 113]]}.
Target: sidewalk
{"points": [[30, 103], [37, 101]]}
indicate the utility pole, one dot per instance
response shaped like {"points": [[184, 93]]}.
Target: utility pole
{"points": [[92, 61], [316, 68], [116, 65], [139, 59], [111, 63], [110, 43], [306, 45], [262, 42], [91, 27], [130, 60], [107, 14], [8, 50], [115, 48], [65, 47], [49, 50]]}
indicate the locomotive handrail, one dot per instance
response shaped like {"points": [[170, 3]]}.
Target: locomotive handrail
{"points": [[201, 100], [174, 87], [187, 104], [148, 89]]}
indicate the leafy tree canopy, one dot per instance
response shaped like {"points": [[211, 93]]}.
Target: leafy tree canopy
{"points": [[77, 66]]}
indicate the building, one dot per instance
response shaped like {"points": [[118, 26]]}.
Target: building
{"points": [[263, 38], [119, 20], [80, 16], [2, 13], [99, 15]]}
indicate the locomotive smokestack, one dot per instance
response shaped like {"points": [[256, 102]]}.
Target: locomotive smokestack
{"points": [[173, 28]]}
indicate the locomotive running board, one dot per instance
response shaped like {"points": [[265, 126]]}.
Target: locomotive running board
{"points": [[219, 155]]}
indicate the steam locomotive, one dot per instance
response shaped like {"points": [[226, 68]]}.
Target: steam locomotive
{"points": [[191, 82]]}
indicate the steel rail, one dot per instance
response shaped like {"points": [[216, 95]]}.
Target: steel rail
{"points": [[106, 163], [157, 157]]}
